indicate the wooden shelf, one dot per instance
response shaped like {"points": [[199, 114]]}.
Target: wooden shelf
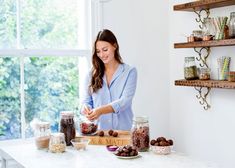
{"points": [[212, 43], [203, 4], [206, 83]]}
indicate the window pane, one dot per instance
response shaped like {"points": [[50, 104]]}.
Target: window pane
{"points": [[51, 86], [49, 24], [7, 24], [9, 98]]}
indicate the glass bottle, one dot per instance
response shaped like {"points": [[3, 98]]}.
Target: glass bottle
{"points": [[57, 143], [140, 134], [42, 135], [67, 126], [190, 69], [231, 25]]}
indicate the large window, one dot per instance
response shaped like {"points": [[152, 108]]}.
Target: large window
{"points": [[43, 44]]}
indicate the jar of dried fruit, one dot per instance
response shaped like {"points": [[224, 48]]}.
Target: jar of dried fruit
{"points": [[140, 133], [42, 135], [67, 126]]}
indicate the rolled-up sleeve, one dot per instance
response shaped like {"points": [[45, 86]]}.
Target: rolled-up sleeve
{"points": [[128, 92]]}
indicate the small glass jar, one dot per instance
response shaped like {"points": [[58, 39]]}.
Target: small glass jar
{"points": [[231, 25], [57, 143], [140, 134], [42, 135], [67, 126], [198, 34], [204, 73], [87, 127], [190, 68]]}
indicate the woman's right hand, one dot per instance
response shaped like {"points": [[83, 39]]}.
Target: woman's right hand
{"points": [[86, 110]]}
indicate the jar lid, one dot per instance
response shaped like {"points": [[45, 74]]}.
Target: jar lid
{"points": [[232, 14], [189, 58], [197, 31], [45, 125], [57, 134], [66, 114], [141, 119]]}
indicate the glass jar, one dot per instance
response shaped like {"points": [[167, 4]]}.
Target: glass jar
{"points": [[140, 134], [197, 35], [190, 68], [57, 143], [204, 73], [42, 135], [87, 127], [67, 126], [231, 25], [208, 27]]}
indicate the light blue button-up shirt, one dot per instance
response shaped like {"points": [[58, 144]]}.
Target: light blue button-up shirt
{"points": [[118, 94]]}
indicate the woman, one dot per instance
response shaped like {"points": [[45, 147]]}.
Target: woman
{"points": [[110, 87]]}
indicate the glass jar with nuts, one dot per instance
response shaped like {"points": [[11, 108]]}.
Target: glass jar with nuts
{"points": [[57, 143]]}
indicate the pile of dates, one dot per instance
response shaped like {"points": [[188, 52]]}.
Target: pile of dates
{"points": [[126, 151], [88, 128], [161, 141]]}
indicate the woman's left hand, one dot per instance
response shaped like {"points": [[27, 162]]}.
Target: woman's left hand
{"points": [[94, 115]]}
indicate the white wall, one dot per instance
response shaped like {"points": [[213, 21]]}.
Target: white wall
{"points": [[141, 28], [146, 31], [207, 135]]}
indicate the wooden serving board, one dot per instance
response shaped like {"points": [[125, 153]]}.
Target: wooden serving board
{"points": [[123, 138]]}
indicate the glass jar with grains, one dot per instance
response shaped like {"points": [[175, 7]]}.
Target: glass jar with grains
{"points": [[140, 133], [42, 135], [190, 68], [67, 126], [57, 143]]}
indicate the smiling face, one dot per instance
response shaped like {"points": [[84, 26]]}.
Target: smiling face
{"points": [[105, 51]]}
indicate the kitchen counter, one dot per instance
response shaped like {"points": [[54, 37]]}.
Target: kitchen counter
{"points": [[25, 153]]}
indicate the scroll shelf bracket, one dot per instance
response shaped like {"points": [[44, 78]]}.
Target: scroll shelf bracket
{"points": [[202, 97], [203, 58]]}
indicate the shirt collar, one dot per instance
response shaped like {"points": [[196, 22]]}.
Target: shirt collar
{"points": [[118, 71]]}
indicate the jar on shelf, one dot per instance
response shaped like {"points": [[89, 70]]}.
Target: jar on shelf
{"points": [[198, 35], [190, 68], [208, 29], [42, 135], [140, 134], [231, 25], [57, 143], [67, 126], [204, 73]]}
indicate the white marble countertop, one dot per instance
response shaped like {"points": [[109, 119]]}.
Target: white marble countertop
{"points": [[26, 154]]}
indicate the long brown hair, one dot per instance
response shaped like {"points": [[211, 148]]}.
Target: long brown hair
{"points": [[97, 64]]}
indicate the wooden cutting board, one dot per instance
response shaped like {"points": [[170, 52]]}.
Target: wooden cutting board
{"points": [[123, 138]]}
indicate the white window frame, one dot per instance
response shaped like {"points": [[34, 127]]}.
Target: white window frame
{"points": [[92, 26]]}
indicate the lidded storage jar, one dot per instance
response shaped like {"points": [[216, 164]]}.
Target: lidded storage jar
{"points": [[42, 135], [87, 127], [57, 143], [231, 25], [67, 126], [140, 133], [190, 68]]}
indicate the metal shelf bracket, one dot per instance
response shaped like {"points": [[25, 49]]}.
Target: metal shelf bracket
{"points": [[202, 97], [200, 19], [203, 58]]}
